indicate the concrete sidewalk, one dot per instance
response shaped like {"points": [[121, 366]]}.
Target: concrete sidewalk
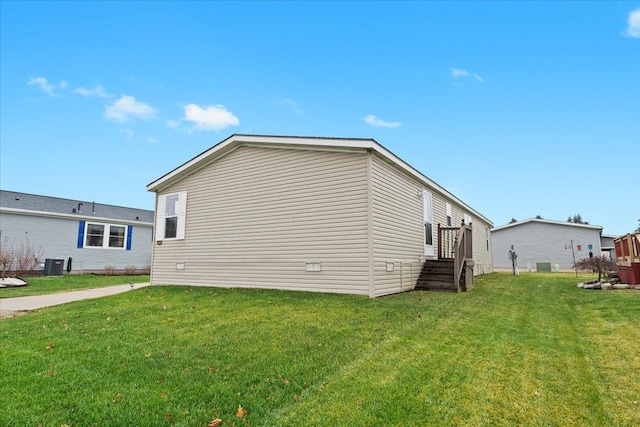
{"points": [[10, 306]]}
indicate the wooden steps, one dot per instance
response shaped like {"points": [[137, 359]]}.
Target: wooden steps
{"points": [[437, 275]]}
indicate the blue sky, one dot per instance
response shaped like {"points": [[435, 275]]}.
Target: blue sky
{"points": [[518, 108]]}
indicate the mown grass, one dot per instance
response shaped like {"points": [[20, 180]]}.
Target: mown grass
{"points": [[530, 350], [71, 282]]}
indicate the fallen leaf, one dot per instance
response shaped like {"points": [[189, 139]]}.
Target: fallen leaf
{"points": [[169, 319], [168, 416], [212, 368], [117, 399], [147, 355], [164, 394], [50, 346], [241, 412], [215, 423], [49, 374]]}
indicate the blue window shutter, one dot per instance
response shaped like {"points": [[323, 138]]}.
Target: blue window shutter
{"points": [[129, 232], [81, 235]]}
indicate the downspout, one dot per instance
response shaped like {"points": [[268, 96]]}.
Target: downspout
{"points": [[372, 287], [153, 237]]}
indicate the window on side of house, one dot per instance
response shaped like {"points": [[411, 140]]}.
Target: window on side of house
{"points": [[487, 236], [448, 209], [171, 216], [170, 221]]}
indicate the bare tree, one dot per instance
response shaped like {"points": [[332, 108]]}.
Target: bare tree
{"points": [[26, 258], [6, 256]]}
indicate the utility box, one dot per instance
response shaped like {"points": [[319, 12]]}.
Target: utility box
{"points": [[53, 267], [543, 267]]}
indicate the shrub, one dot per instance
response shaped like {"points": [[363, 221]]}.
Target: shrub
{"points": [[109, 270], [601, 265], [147, 270], [130, 270]]}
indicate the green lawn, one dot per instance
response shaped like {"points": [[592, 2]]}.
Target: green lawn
{"points": [[73, 282], [530, 351]]}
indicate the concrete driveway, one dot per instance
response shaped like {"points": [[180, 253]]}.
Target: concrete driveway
{"points": [[10, 307]]}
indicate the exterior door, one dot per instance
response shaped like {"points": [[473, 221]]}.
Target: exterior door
{"points": [[428, 223]]}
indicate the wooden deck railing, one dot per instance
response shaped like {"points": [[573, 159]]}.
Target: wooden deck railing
{"points": [[457, 244], [627, 249], [446, 241]]}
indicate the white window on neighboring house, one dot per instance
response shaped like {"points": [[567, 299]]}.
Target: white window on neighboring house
{"points": [[97, 235], [171, 215], [467, 219], [448, 208], [487, 236]]}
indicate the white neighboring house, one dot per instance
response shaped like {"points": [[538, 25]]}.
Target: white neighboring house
{"points": [[93, 235], [303, 213], [544, 241]]}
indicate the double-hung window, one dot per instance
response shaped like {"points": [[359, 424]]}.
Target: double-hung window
{"points": [[98, 235], [170, 221]]}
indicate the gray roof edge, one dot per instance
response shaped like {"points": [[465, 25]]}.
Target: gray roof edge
{"points": [[18, 201], [545, 221]]}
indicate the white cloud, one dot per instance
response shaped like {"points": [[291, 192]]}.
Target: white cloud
{"points": [[633, 24], [458, 73], [212, 117], [291, 104], [376, 122], [96, 91], [152, 140], [45, 86], [127, 108]]}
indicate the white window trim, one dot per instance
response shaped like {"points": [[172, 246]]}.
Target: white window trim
{"points": [[160, 216], [105, 237]]}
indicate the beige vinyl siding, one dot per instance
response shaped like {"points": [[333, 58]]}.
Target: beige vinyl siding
{"points": [[398, 233], [482, 258], [397, 223], [256, 216]]}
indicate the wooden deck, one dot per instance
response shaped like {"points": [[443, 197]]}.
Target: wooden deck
{"points": [[453, 270]]}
